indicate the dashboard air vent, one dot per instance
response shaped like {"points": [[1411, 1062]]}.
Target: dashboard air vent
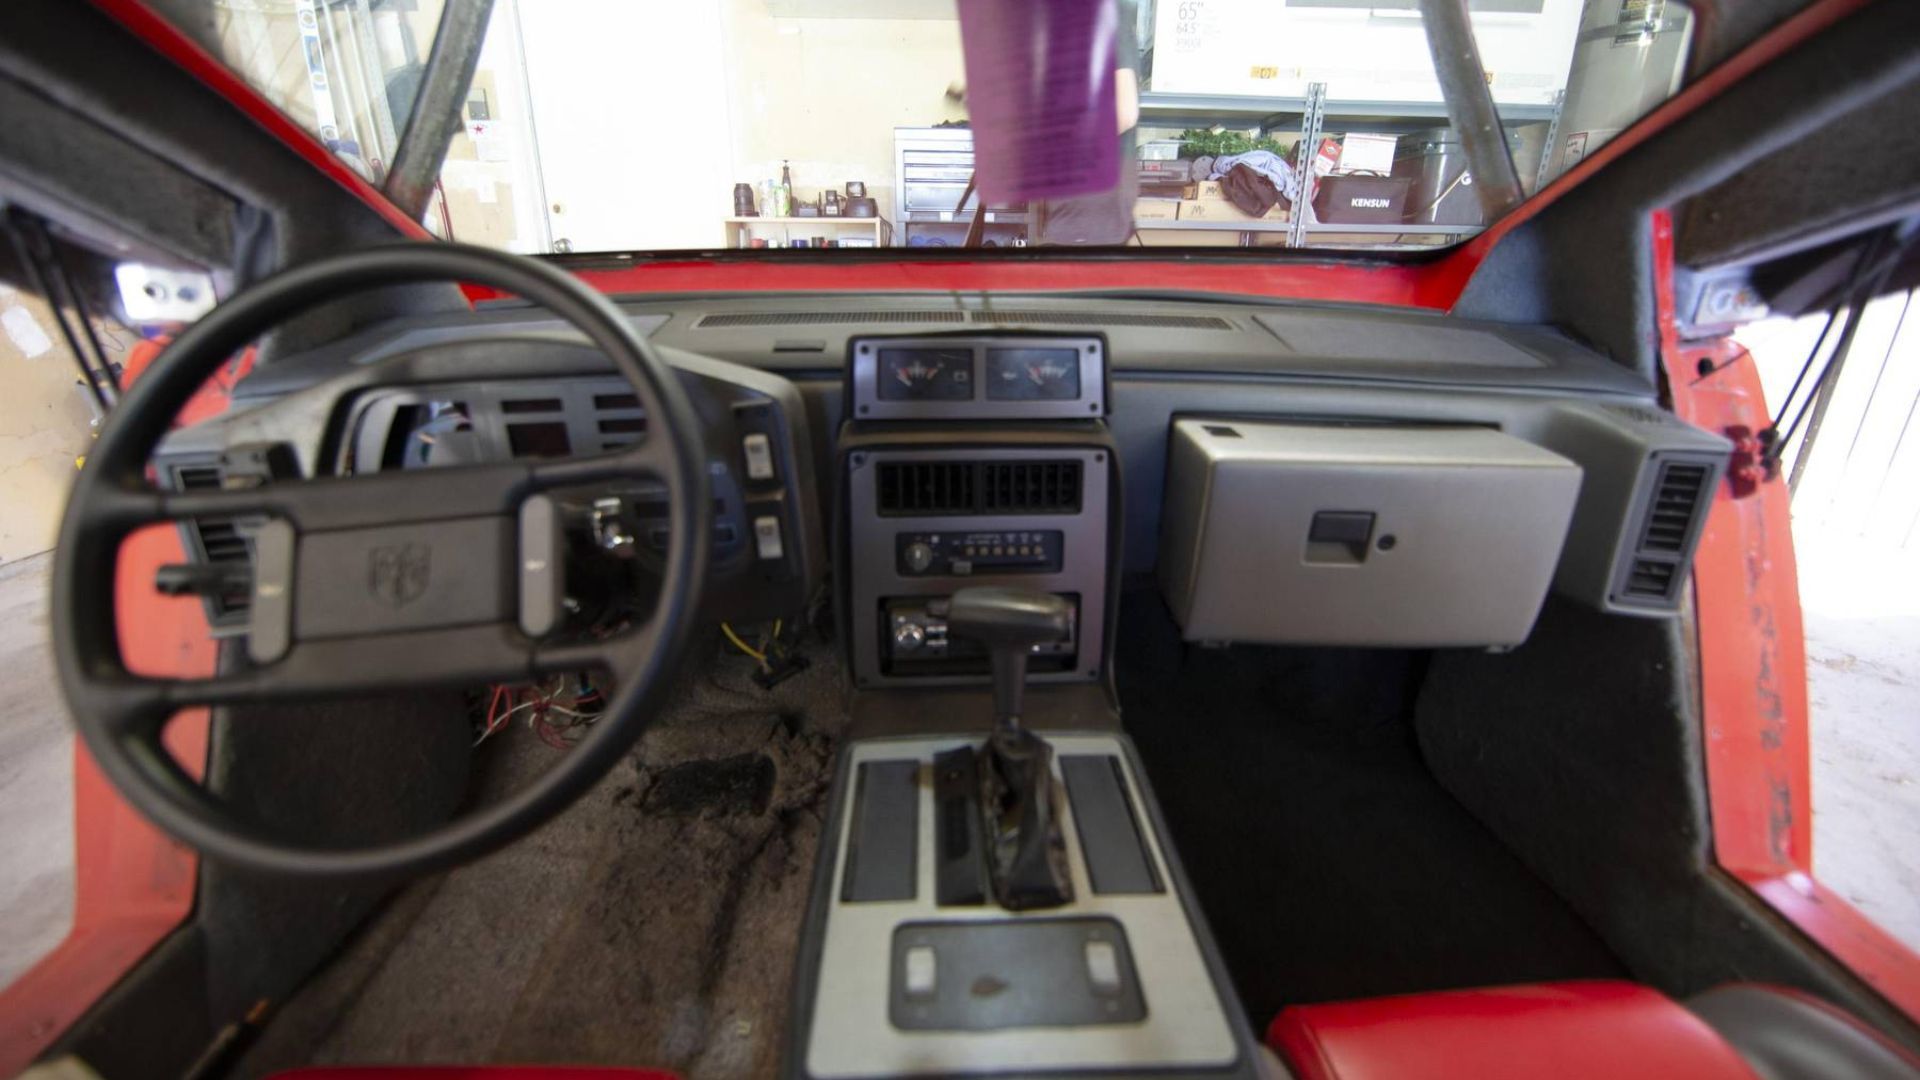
{"points": [[219, 540], [1652, 578], [1678, 501], [916, 488], [1030, 487], [1100, 319], [1675, 502], [725, 320], [927, 487]]}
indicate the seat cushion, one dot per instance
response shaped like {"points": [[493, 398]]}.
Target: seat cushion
{"points": [[1560, 1031], [1788, 1035]]}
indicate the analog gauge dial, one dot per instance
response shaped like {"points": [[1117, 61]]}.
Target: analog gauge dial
{"points": [[1033, 374], [926, 374]]}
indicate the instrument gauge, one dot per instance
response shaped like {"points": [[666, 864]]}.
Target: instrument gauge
{"points": [[926, 374], [1033, 374]]}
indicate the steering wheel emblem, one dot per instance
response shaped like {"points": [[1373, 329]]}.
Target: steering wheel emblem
{"points": [[397, 575]]}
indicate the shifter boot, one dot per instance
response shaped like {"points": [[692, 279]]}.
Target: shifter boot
{"points": [[1020, 802]]}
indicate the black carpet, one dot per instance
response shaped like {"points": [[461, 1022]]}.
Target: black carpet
{"points": [[1328, 860]]}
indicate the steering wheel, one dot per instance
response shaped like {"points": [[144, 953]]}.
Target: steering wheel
{"points": [[390, 581]]}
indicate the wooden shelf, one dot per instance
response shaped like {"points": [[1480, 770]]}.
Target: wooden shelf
{"points": [[877, 227], [863, 222]]}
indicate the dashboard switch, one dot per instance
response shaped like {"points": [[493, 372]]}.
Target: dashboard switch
{"points": [[766, 537], [758, 451]]}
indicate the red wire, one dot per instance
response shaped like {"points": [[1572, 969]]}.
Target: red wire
{"points": [[493, 708]]}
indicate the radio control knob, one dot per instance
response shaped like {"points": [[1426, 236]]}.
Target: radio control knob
{"points": [[919, 556], [909, 635]]}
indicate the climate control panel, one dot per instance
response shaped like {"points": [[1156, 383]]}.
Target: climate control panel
{"points": [[965, 553]]}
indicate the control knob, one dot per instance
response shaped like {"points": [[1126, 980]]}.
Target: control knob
{"points": [[909, 635], [919, 556]]}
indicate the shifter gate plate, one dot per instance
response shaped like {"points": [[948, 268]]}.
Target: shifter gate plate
{"points": [[1011, 973]]}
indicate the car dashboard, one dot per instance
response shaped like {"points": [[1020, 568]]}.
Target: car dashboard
{"points": [[1281, 473]]}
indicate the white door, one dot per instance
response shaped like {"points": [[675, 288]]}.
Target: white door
{"points": [[630, 116]]}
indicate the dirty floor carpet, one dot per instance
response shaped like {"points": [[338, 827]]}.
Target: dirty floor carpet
{"points": [[654, 923]]}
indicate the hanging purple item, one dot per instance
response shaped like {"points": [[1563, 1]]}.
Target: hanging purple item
{"points": [[1040, 96]]}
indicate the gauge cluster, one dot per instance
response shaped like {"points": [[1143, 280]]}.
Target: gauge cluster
{"points": [[1011, 377]]}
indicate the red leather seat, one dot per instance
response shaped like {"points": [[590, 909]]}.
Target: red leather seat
{"points": [[1557, 1031]]}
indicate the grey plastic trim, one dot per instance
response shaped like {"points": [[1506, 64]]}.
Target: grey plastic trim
{"points": [[1468, 526], [1192, 1024]]}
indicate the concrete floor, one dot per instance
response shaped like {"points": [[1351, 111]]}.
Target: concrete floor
{"points": [[45, 424], [1862, 609], [36, 776]]}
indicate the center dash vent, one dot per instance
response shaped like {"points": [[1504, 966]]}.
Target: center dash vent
{"points": [[931, 488], [218, 540], [1657, 567], [822, 318], [1030, 487], [1100, 319]]}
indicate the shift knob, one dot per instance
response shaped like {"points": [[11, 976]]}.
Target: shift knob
{"points": [[1009, 622]]}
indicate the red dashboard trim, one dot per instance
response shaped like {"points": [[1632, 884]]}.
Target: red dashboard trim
{"points": [[1753, 670]]}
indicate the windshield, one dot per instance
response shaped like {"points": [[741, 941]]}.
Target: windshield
{"points": [[611, 126]]}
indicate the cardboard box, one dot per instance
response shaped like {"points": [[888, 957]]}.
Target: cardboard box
{"points": [[1224, 210], [1177, 237], [1360, 152], [1156, 209], [1204, 189]]}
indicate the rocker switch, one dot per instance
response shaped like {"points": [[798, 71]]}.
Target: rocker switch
{"points": [[922, 966], [766, 537], [758, 451], [1103, 968]]}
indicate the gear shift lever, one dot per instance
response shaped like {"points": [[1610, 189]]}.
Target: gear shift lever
{"points": [[1020, 801]]}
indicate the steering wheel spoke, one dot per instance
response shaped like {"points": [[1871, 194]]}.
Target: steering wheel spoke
{"points": [[361, 502], [376, 663]]}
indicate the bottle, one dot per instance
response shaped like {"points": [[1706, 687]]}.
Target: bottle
{"points": [[784, 193]]}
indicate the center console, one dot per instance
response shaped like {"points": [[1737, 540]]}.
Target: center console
{"points": [[999, 898], [908, 967], [971, 460]]}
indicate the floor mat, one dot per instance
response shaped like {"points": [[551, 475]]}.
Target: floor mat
{"points": [[653, 923], [1328, 860]]}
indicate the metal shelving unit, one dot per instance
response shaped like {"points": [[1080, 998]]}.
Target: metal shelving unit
{"points": [[1165, 106], [1311, 113]]}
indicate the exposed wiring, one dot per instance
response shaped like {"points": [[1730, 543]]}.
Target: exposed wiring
{"points": [[740, 644], [553, 714]]}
